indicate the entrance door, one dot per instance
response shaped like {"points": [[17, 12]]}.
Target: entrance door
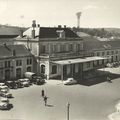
{"points": [[7, 74], [64, 71], [18, 73]]}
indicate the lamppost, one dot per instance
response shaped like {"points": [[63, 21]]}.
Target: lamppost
{"points": [[68, 108]]}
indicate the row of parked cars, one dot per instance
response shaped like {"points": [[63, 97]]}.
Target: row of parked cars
{"points": [[4, 97], [31, 78], [25, 82]]}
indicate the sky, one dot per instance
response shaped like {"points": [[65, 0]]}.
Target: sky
{"points": [[95, 13]]}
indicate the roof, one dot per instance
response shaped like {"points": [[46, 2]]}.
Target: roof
{"points": [[78, 60], [6, 51], [10, 31], [92, 43], [51, 32]]}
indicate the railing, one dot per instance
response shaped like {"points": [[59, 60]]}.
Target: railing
{"points": [[68, 55]]}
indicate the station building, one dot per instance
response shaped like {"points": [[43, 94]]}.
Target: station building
{"points": [[59, 52]]}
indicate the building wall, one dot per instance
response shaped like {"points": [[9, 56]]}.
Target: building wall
{"points": [[13, 67], [112, 54]]}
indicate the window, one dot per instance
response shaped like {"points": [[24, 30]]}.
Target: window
{"points": [[43, 69], [54, 69], [7, 63], [29, 61], [88, 64], [18, 73], [116, 52], [29, 69], [18, 62], [98, 54], [103, 53], [97, 62], [55, 48], [78, 47], [43, 49], [70, 47], [112, 52], [108, 53]]}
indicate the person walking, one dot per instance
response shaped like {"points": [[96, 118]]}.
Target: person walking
{"points": [[45, 100], [108, 79], [42, 93]]}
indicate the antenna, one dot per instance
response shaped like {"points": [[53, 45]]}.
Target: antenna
{"points": [[78, 14]]}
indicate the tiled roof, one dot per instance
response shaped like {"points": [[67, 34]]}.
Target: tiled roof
{"points": [[6, 51], [50, 32]]}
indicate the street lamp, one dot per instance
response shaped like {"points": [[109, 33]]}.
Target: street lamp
{"points": [[68, 107]]}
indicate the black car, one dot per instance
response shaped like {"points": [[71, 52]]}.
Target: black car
{"points": [[38, 80], [11, 84]]}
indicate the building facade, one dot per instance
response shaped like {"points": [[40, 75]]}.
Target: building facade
{"points": [[15, 60], [59, 52]]}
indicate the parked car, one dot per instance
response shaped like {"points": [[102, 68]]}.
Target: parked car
{"points": [[5, 94], [25, 82], [4, 88], [4, 104], [2, 84], [38, 80], [11, 84], [70, 81]]}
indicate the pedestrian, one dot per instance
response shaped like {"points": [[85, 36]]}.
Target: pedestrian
{"points": [[108, 79], [42, 93], [45, 100]]}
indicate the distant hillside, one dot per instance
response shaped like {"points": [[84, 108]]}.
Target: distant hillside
{"points": [[100, 32], [10, 30]]}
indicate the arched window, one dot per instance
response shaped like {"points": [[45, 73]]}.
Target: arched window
{"points": [[18, 73], [29, 69], [7, 74], [43, 69]]}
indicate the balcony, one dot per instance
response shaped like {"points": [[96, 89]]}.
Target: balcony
{"points": [[66, 55]]}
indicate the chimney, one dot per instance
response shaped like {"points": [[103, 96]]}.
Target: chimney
{"points": [[33, 30], [59, 26], [21, 33], [64, 26], [34, 24], [38, 25], [33, 33]]}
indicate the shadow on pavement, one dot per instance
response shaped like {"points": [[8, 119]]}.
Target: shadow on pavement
{"points": [[99, 79], [49, 105]]}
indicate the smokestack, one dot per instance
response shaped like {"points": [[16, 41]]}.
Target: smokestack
{"points": [[78, 14]]}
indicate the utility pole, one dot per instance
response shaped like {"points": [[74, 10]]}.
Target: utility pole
{"points": [[68, 107]]}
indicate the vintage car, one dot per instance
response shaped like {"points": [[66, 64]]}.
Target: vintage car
{"points": [[4, 88], [38, 80], [2, 84], [4, 104], [11, 84], [70, 81], [25, 82]]}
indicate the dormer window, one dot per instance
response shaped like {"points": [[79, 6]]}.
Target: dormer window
{"points": [[61, 33]]}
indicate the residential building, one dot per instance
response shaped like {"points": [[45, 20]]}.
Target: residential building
{"points": [[15, 60]]}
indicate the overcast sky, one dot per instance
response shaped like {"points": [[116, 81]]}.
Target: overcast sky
{"points": [[95, 13]]}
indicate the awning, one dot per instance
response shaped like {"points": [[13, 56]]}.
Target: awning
{"points": [[78, 60]]}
